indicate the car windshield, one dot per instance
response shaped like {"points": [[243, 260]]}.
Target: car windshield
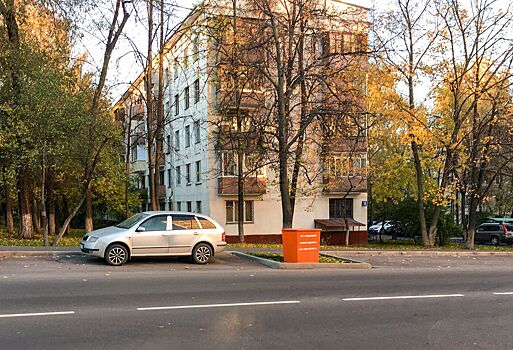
{"points": [[132, 220]]}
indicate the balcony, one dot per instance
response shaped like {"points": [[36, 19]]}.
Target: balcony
{"points": [[161, 191], [344, 184], [138, 166], [249, 99], [348, 144], [227, 186], [138, 109]]}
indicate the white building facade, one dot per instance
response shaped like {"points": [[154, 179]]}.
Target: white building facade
{"points": [[193, 174]]}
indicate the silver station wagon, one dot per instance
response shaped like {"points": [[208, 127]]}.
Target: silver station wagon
{"points": [[157, 233]]}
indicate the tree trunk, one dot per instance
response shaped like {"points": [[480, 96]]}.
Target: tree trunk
{"points": [[65, 212], [8, 208], [472, 222], [89, 210], [426, 241], [463, 217], [36, 216], [50, 203], [240, 192], [26, 228], [44, 218]]}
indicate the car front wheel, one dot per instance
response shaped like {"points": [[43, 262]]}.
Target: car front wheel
{"points": [[116, 255], [495, 241], [202, 253]]}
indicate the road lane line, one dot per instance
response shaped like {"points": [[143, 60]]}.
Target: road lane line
{"points": [[217, 305], [38, 314], [406, 297], [503, 293]]}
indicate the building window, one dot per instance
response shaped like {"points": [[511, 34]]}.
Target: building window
{"points": [[195, 48], [169, 178], [341, 208], [189, 206], [197, 131], [228, 164], [186, 57], [198, 207], [198, 171], [196, 91], [177, 140], [177, 104], [178, 175], [161, 177], [133, 152], [175, 68], [186, 97], [188, 136], [179, 206], [348, 164], [143, 181], [168, 143], [188, 173], [232, 212]]}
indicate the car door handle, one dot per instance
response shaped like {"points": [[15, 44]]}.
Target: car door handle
{"points": [[196, 233]]}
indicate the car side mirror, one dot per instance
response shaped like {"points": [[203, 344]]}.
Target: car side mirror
{"points": [[141, 229]]}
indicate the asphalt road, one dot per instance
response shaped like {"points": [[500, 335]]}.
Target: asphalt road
{"points": [[79, 303]]}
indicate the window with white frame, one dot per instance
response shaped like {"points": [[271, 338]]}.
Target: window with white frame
{"points": [[177, 104], [198, 171], [252, 165], [177, 140], [198, 207], [197, 131], [228, 164], [195, 48], [178, 175], [188, 173], [186, 97], [232, 212], [196, 91], [188, 136], [189, 206], [347, 164]]}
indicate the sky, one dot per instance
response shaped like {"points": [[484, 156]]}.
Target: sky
{"points": [[124, 67]]}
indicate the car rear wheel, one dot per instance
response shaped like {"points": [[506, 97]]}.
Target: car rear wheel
{"points": [[116, 255], [495, 241], [202, 253]]}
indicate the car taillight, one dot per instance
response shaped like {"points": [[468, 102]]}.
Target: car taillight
{"points": [[223, 237], [505, 228]]}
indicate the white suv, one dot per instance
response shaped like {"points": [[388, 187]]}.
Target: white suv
{"points": [[157, 233]]}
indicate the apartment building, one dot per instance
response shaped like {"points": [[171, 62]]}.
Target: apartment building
{"points": [[204, 131]]}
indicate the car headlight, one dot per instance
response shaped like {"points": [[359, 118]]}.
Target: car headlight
{"points": [[92, 239]]}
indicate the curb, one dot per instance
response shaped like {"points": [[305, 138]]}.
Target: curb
{"points": [[300, 266], [24, 253], [421, 253]]}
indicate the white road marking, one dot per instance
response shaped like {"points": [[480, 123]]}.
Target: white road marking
{"points": [[406, 297], [38, 314], [504, 293], [217, 305]]}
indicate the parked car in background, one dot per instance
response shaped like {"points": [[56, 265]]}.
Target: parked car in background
{"points": [[494, 233], [157, 234], [386, 228]]}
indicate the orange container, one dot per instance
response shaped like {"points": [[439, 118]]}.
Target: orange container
{"points": [[301, 245]]}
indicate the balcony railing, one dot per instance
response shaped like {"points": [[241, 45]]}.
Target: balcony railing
{"points": [[344, 184], [227, 186]]}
